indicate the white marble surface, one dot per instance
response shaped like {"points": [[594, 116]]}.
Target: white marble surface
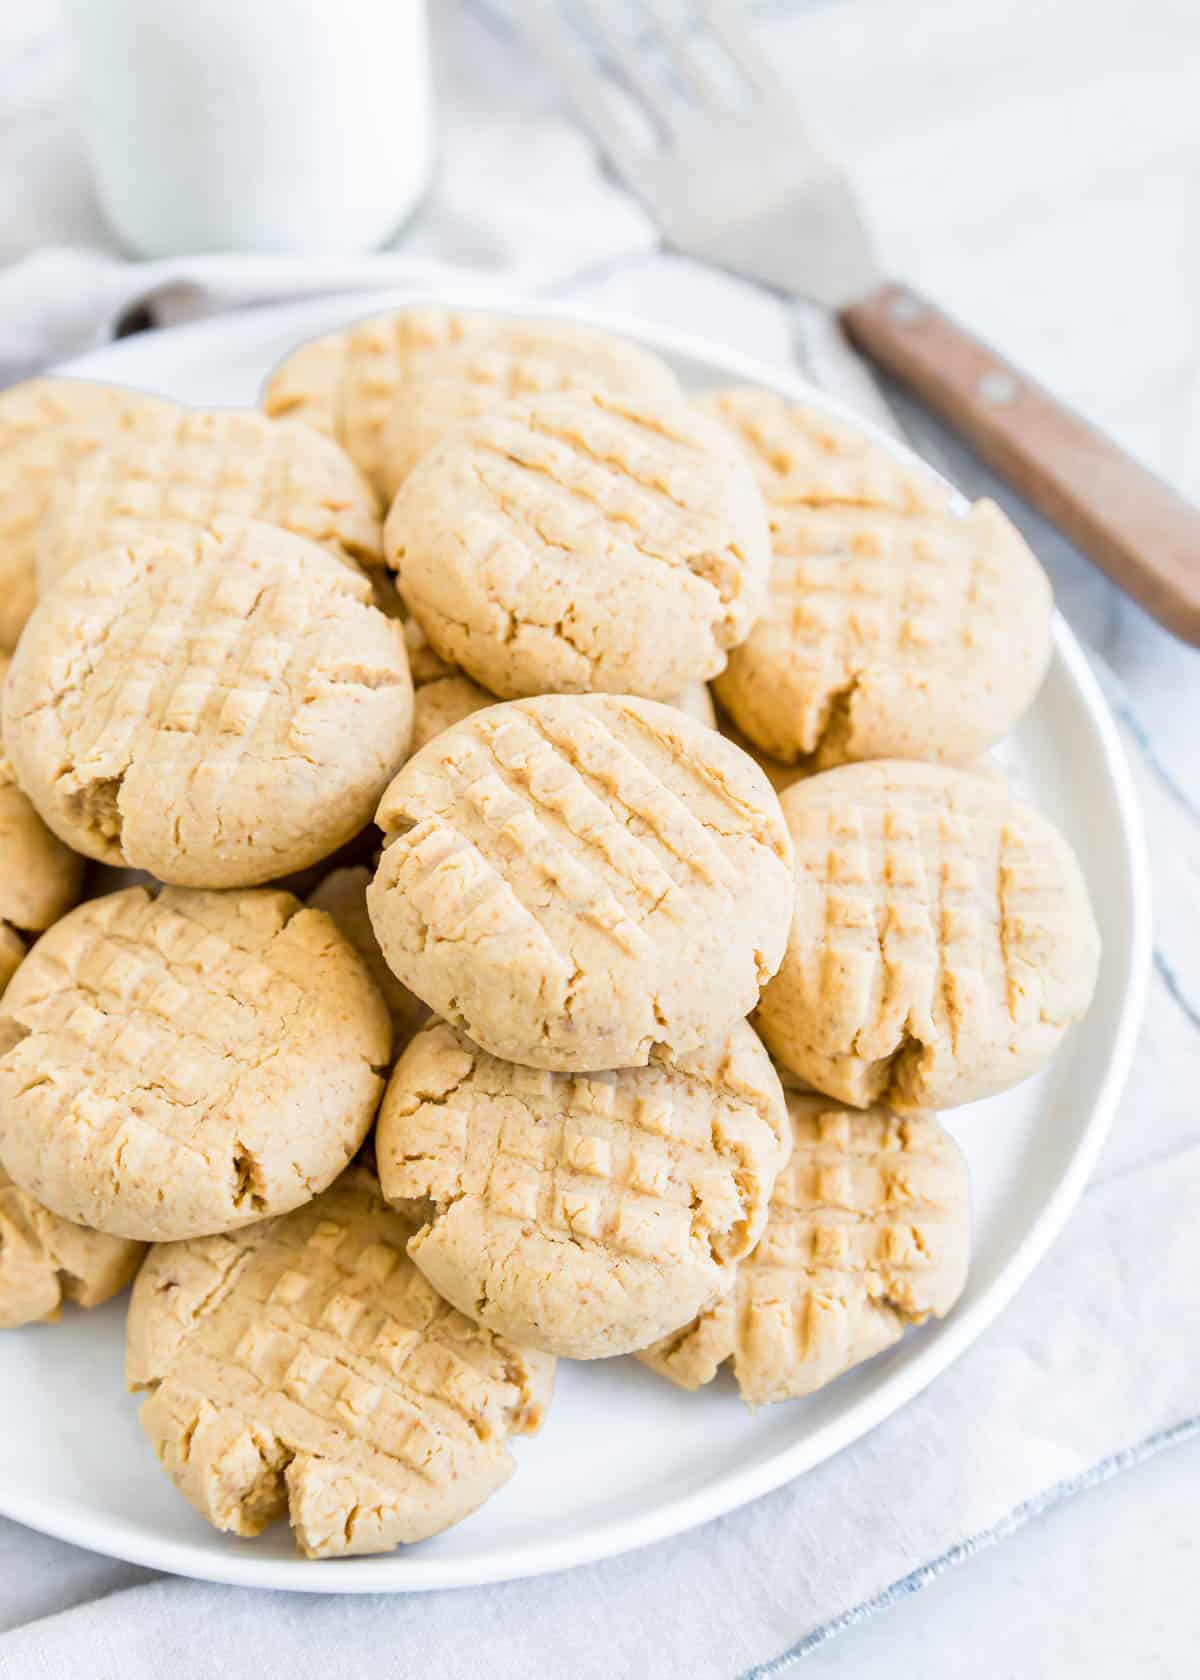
{"points": [[1036, 167]]}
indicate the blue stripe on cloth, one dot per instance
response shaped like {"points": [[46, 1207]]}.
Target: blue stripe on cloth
{"points": [[1104, 1471]]}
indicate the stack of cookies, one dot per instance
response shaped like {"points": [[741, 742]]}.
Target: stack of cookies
{"points": [[476, 999]]}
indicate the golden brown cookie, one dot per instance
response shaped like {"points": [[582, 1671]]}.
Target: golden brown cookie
{"points": [[305, 1366], [895, 628], [780, 776], [40, 878], [868, 1233], [516, 360], [806, 455], [942, 940], [47, 429], [386, 388], [197, 467], [583, 544], [45, 1260], [218, 712], [584, 1214], [447, 697], [891, 636], [344, 383], [581, 882], [181, 1063], [343, 895]]}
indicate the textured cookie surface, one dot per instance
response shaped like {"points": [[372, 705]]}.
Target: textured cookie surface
{"points": [[47, 429], [805, 455], [942, 940], [894, 627], [450, 697], [345, 383], [516, 361], [868, 1233], [580, 544], [46, 1261], [201, 465], [578, 881], [40, 878], [305, 1365], [888, 635], [343, 895], [445, 695], [585, 1214], [185, 1063], [218, 714], [780, 775]]}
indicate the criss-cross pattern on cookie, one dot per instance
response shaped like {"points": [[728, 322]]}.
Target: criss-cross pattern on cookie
{"points": [[306, 1359], [205, 660], [648, 1164], [599, 542], [144, 1012], [910, 593], [894, 626], [345, 383], [578, 479], [203, 664], [158, 1055], [803, 455], [205, 465], [329, 1312], [585, 803], [867, 1233], [942, 940], [574, 879], [515, 362], [929, 911], [562, 843], [48, 428]]}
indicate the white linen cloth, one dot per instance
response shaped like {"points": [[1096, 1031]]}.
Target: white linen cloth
{"points": [[1095, 1364]]}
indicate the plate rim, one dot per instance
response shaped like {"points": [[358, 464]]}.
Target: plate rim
{"points": [[407, 1571]]}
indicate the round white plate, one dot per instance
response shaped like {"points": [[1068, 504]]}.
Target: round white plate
{"points": [[624, 1458]]}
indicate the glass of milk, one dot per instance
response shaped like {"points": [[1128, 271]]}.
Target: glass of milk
{"points": [[255, 125]]}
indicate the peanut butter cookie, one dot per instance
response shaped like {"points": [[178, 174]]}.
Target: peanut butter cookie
{"points": [[895, 628], [517, 360], [48, 427], [200, 466], [942, 940], [45, 1260], [305, 1366], [219, 712], [584, 1214], [344, 383], [867, 1234], [583, 544], [183, 1063], [580, 882], [387, 388]]}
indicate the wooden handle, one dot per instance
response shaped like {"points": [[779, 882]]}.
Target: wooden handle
{"points": [[1135, 527]]}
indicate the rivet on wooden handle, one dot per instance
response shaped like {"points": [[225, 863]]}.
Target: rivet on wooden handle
{"points": [[1135, 527]]}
